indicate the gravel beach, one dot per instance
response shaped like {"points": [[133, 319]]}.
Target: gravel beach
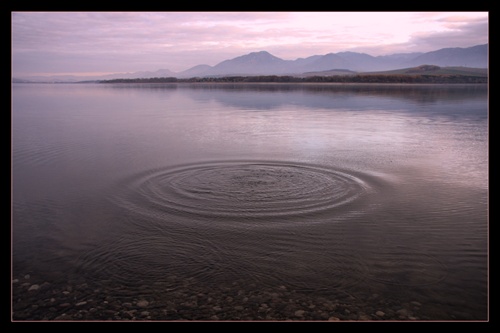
{"points": [[80, 300]]}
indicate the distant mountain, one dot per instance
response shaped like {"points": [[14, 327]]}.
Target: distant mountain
{"points": [[49, 79], [307, 61], [16, 80], [255, 63], [434, 70], [329, 73], [363, 61], [76, 78], [400, 56], [194, 71], [264, 63], [327, 62], [475, 56], [137, 75]]}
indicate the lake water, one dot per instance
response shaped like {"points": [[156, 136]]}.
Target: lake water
{"points": [[250, 202]]}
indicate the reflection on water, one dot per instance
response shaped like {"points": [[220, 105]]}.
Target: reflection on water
{"points": [[370, 195], [329, 96]]}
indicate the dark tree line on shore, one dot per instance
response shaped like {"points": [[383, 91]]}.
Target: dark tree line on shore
{"points": [[366, 78]]}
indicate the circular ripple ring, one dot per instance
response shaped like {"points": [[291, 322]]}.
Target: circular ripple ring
{"points": [[244, 189]]}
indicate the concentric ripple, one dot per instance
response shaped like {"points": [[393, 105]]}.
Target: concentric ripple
{"points": [[241, 189]]}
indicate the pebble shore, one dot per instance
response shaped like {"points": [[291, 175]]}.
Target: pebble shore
{"points": [[35, 300]]}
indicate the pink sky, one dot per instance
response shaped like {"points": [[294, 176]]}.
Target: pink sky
{"points": [[117, 42]]}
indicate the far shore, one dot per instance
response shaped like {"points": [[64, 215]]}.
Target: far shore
{"points": [[342, 79]]}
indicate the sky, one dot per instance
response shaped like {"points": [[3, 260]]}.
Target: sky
{"points": [[95, 43]]}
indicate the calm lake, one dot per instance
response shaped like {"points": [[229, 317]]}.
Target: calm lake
{"points": [[250, 201]]}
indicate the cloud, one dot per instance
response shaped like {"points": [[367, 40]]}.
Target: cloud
{"points": [[134, 41], [459, 34]]}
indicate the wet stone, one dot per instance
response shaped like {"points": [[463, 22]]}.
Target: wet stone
{"points": [[82, 286], [324, 316], [402, 312], [127, 315], [299, 313], [63, 317], [45, 286], [142, 303], [34, 287], [271, 304]]}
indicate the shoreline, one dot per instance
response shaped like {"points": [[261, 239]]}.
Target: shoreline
{"points": [[176, 299]]}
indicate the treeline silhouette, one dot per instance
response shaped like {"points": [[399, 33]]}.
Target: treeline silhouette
{"points": [[367, 78]]}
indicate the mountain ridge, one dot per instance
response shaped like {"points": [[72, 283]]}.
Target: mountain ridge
{"points": [[264, 63]]}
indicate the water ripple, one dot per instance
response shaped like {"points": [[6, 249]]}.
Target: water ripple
{"points": [[239, 190]]}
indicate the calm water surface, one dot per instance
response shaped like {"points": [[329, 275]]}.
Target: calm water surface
{"points": [[376, 192]]}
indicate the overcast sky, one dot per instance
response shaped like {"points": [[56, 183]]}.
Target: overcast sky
{"points": [[116, 42]]}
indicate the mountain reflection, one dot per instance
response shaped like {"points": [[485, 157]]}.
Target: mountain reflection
{"points": [[266, 96]]}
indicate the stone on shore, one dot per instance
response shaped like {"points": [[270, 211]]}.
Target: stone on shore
{"points": [[142, 303], [299, 313], [34, 287]]}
